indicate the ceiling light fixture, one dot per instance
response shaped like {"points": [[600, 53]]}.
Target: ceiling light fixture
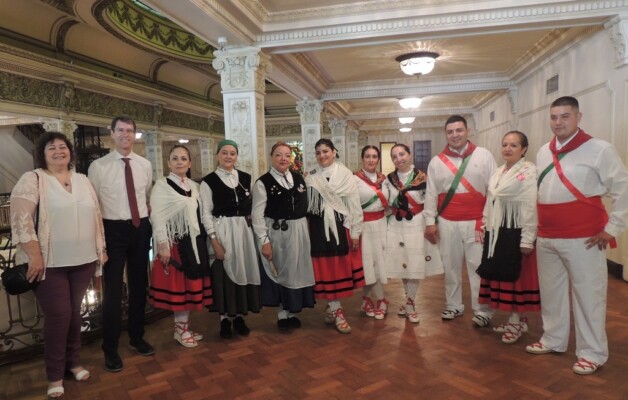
{"points": [[419, 63], [138, 135], [406, 120], [410, 102], [182, 141], [404, 130]]}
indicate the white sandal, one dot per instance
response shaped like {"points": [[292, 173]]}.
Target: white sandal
{"points": [[58, 390]]}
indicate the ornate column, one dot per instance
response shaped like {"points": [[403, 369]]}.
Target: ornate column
{"points": [[310, 112], [618, 31], [242, 73], [62, 126], [206, 146], [353, 150], [154, 152], [338, 127]]}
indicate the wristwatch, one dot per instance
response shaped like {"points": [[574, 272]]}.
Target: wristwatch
{"points": [[212, 236]]}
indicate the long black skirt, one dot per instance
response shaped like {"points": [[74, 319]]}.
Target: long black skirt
{"points": [[229, 298]]}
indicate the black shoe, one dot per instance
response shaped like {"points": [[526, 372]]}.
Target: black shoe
{"points": [[225, 328], [113, 362], [142, 347], [283, 324], [294, 322], [240, 326]]}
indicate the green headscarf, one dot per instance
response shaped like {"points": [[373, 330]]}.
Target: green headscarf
{"points": [[227, 142]]}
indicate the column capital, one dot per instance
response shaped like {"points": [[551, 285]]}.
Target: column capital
{"points": [[242, 68], [310, 111], [617, 29], [60, 125], [337, 126]]}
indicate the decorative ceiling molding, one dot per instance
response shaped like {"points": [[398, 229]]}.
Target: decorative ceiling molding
{"points": [[65, 6], [151, 32], [489, 84], [62, 34], [507, 18], [438, 112]]}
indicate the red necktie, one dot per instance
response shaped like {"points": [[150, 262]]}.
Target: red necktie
{"points": [[130, 192]]}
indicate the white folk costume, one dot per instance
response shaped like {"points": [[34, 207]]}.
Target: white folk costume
{"points": [[175, 217], [408, 254], [278, 216], [226, 207], [335, 217], [459, 224], [509, 279], [570, 212]]}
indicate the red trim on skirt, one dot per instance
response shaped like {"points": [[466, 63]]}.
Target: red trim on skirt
{"points": [[520, 296], [174, 291], [337, 276]]}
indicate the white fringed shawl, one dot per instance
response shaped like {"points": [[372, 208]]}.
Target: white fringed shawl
{"points": [[175, 212], [341, 184], [507, 197]]}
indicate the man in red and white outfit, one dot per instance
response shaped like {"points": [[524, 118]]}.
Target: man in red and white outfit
{"points": [[575, 170], [457, 180]]}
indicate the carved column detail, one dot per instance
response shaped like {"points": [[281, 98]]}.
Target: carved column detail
{"points": [[242, 73], [353, 152], [337, 128], [62, 126], [206, 147], [618, 31], [154, 152], [310, 112]]}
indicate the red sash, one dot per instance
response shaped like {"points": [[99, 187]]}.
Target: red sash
{"points": [[373, 216], [463, 206], [376, 186], [467, 185], [576, 219]]}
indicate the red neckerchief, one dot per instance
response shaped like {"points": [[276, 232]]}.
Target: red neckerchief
{"points": [[377, 185], [449, 152], [580, 138], [419, 178]]}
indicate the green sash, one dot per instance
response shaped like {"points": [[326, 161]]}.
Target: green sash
{"points": [[548, 169], [455, 183]]}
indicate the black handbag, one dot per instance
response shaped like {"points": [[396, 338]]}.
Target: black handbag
{"points": [[14, 279], [15, 282]]}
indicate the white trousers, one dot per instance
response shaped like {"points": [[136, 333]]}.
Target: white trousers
{"points": [[457, 245], [565, 261]]}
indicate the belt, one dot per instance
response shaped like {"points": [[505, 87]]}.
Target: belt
{"points": [[123, 221]]}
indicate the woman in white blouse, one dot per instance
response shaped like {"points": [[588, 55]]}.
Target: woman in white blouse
{"points": [[279, 208], [374, 200], [64, 249], [408, 255], [180, 274], [226, 211]]}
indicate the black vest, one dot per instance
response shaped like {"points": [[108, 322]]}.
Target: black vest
{"points": [[224, 197], [285, 203]]}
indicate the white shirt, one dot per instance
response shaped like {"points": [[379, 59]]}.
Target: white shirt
{"points": [[72, 223], [107, 176], [439, 178]]}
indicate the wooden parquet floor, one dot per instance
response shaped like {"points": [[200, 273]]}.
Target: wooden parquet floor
{"points": [[389, 359]]}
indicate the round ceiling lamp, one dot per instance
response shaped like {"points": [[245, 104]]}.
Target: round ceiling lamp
{"points": [[405, 130], [410, 102], [419, 63], [406, 120]]}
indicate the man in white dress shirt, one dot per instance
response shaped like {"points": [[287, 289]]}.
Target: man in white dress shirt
{"points": [[457, 180], [122, 180], [575, 171]]}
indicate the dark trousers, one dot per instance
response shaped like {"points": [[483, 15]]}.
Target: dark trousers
{"points": [[59, 297], [126, 245]]}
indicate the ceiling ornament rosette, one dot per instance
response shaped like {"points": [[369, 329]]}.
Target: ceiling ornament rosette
{"points": [[145, 29]]}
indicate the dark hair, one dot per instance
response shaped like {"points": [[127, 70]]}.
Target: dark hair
{"points": [[456, 118], [40, 148], [370, 147], [180, 146], [123, 118], [522, 138], [327, 143], [566, 101], [279, 144], [406, 148]]}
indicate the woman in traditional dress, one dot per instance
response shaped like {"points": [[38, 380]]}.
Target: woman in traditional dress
{"points": [[508, 269], [180, 275], [408, 255], [226, 211], [374, 200], [335, 222], [279, 209]]}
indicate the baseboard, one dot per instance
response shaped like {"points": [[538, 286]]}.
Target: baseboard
{"points": [[615, 269]]}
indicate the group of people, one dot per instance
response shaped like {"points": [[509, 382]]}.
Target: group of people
{"points": [[233, 245]]}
